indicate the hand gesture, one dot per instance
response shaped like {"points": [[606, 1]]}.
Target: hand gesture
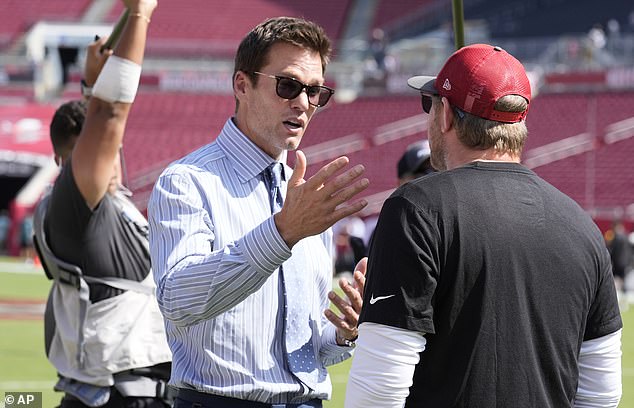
{"points": [[311, 206], [95, 60], [350, 307]]}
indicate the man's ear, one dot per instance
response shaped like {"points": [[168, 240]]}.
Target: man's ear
{"points": [[240, 83], [446, 122]]}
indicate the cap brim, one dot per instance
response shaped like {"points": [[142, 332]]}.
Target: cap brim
{"points": [[423, 83]]}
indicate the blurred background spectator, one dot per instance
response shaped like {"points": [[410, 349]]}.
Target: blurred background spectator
{"points": [[621, 254], [5, 223], [349, 229], [415, 162]]}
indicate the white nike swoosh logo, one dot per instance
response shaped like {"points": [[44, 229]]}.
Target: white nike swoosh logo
{"points": [[373, 299]]}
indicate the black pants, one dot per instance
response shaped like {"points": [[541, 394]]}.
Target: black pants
{"points": [[116, 401], [194, 399]]}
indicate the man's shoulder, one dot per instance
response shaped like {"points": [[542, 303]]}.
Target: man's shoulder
{"points": [[64, 190], [201, 158], [424, 185]]}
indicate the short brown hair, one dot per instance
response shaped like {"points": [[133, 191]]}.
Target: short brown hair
{"points": [[253, 51], [482, 134]]}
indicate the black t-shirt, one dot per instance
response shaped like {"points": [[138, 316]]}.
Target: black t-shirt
{"points": [[100, 241], [505, 274]]}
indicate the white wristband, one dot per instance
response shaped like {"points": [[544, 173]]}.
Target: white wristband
{"points": [[118, 81]]}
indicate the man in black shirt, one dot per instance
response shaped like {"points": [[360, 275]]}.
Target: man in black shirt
{"points": [[414, 163], [104, 332], [621, 256], [486, 286]]}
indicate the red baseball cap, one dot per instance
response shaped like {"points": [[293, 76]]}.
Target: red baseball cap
{"points": [[475, 77]]}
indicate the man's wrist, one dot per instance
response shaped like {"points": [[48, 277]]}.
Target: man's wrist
{"points": [[86, 90], [342, 341]]}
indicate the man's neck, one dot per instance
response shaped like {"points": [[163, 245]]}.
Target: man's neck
{"points": [[499, 157], [489, 155]]}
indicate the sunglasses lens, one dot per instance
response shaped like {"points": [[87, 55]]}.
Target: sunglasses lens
{"points": [[324, 96], [425, 101], [288, 88]]}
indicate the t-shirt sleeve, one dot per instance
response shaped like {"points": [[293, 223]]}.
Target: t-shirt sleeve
{"points": [[604, 316], [68, 212], [403, 268]]}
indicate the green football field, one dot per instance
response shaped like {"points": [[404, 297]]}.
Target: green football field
{"points": [[23, 365]]}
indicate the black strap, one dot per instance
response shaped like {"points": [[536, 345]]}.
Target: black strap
{"points": [[54, 267], [68, 273]]}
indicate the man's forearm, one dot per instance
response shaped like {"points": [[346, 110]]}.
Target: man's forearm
{"points": [[383, 366], [600, 372]]}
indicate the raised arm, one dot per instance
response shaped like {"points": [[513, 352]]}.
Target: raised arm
{"points": [[96, 152]]}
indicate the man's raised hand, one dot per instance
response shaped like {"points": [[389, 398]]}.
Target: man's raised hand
{"points": [[311, 206]]}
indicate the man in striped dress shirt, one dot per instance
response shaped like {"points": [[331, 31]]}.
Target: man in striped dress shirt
{"points": [[222, 261]]}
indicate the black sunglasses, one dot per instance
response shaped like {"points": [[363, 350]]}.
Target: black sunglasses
{"points": [[426, 102], [290, 88]]}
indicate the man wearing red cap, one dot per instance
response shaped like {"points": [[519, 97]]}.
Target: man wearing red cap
{"points": [[486, 286]]}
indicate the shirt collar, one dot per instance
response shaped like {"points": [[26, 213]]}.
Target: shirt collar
{"points": [[245, 156]]}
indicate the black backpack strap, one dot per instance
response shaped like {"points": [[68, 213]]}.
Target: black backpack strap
{"points": [[54, 267], [123, 284]]}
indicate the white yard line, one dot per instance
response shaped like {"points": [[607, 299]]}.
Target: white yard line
{"points": [[20, 267], [26, 385]]}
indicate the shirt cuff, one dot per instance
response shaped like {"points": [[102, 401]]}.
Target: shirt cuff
{"points": [[265, 248]]}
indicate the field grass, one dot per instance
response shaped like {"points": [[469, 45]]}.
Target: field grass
{"points": [[23, 365]]}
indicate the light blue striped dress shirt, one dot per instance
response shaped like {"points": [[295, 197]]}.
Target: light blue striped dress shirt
{"points": [[215, 255]]}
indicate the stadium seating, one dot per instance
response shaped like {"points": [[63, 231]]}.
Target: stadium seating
{"points": [[165, 126], [389, 12], [195, 28], [600, 177], [365, 117], [518, 18], [362, 116], [19, 15], [580, 142], [554, 117]]}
